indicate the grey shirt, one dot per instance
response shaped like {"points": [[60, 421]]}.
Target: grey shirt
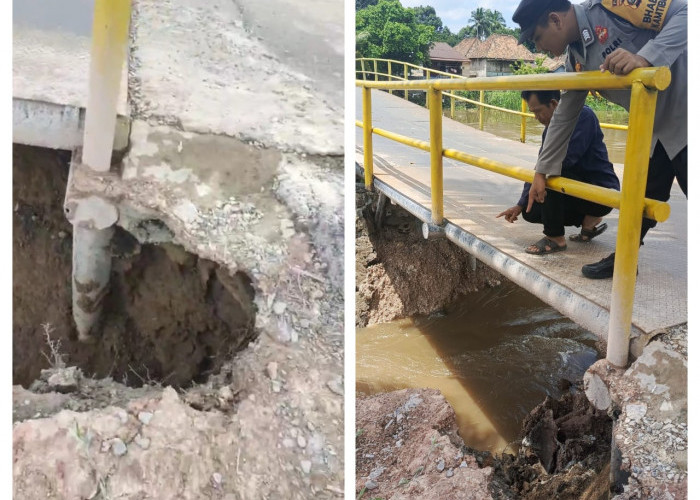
{"points": [[601, 34]]}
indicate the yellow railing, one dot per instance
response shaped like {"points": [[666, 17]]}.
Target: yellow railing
{"points": [[523, 113], [644, 84]]}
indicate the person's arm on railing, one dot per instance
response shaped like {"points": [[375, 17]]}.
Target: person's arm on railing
{"points": [[662, 50], [556, 143]]}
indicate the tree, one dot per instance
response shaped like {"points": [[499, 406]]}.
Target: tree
{"points": [[361, 4], [426, 15], [447, 36], [484, 22], [388, 30]]}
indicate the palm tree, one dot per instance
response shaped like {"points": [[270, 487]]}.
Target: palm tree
{"points": [[479, 22], [483, 22]]}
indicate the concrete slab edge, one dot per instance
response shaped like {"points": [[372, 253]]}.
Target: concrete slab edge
{"points": [[578, 308], [57, 126]]}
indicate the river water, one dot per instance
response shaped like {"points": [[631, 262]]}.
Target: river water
{"points": [[495, 355], [508, 126]]}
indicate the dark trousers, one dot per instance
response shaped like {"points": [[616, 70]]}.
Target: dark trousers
{"points": [[559, 210], [662, 171]]}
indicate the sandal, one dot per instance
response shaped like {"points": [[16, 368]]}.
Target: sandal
{"points": [[587, 235], [542, 245]]}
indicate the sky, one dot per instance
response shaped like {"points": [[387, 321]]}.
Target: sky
{"points": [[456, 13]]}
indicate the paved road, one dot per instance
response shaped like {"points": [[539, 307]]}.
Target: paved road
{"points": [[473, 198]]}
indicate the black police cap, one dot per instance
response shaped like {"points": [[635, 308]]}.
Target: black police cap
{"points": [[527, 14]]}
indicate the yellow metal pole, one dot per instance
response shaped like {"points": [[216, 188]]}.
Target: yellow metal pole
{"points": [[364, 73], [641, 119], [367, 135], [110, 33], [452, 106], [427, 92], [435, 98], [389, 78], [481, 110], [523, 108], [376, 76], [405, 77]]}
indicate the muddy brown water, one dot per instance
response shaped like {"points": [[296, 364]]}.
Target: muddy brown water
{"points": [[508, 126], [170, 316], [494, 354]]}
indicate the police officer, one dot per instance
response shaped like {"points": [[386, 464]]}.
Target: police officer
{"points": [[617, 36]]}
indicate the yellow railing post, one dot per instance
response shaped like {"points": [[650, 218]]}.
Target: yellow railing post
{"points": [[364, 73], [435, 98], [642, 109], [110, 33], [405, 77], [367, 135], [452, 106], [376, 73], [391, 91], [523, 119], [481, 110]]}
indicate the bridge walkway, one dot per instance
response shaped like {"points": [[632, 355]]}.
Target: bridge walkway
{"points": [[473, 197]]}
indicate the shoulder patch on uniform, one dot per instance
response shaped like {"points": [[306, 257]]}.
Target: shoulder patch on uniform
{"points": [[645, 14], [586, 35]]}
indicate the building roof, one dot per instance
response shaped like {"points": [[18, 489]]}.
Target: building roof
{"points": [[503, 47], [441, 51], [556, 63]]}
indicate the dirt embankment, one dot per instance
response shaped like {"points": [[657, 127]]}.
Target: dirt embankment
{"points": [[407, 446], [400, 274]]}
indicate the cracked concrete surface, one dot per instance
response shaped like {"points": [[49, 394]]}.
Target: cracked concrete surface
{"points": [[250, 84], [235, 154]]}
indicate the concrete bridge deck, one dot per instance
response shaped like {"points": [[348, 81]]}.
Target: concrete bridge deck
{"points": [[473, 197], [222, 67]]}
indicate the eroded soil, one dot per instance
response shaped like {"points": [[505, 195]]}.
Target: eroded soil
{"points": [[407, 446], [170, 316], [393, 261]]}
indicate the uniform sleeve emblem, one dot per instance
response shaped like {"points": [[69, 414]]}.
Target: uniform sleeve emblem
{"points": [[645, 14]]}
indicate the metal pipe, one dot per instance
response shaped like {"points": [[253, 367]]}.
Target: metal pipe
{"points": [[390, 75], [523, 124], [110, 33], [653, 77], [435, 99], [92, 265], [405, 76], [452, 107], [92, 260], [653, 209], [367, 135], [481, 110], [642, 110]]}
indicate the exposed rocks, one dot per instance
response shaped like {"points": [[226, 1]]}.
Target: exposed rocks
{"points": [[650, 434], [408, 447], [425, 425]]}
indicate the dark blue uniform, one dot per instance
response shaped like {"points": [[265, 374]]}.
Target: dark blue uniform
{"points": [[586, 161]]}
